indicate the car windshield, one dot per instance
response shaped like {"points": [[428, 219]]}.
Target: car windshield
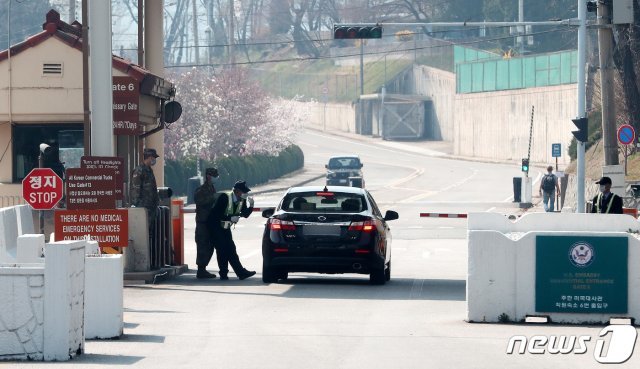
{"points": [[344, 163], [324, 202]]}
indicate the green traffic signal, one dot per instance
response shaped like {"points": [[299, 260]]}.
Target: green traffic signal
{"points": [[525, 165]]}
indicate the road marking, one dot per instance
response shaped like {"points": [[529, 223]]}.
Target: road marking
{"points": [[491, 209], [444, 227], [426, 254], [416, 289]]}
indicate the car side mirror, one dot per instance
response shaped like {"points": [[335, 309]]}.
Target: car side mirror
{"points": [[326, 166], [361, 165], [391, 215], [267, 213]]}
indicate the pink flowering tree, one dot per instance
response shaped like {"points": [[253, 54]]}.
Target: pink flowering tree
{"points": [[227, 114]]}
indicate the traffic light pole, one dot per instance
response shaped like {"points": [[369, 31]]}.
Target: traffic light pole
{"points": [[581, 111]]}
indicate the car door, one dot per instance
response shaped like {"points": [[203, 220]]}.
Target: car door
{"points": [[386, 234]]}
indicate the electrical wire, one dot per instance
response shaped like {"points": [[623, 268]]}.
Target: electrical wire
{"points": [[368, 53]]}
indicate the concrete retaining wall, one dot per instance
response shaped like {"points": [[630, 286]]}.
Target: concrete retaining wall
{"points": [[440, 86], [502, 262], [340, 117], [496, 125]]}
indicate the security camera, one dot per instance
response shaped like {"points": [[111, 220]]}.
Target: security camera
{"points": [[45, 149]]}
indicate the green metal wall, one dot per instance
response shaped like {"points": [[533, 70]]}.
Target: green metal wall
{"points": [[478, 71]]}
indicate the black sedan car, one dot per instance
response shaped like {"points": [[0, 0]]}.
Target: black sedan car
{"points": [[345, 170], [327, 230]]}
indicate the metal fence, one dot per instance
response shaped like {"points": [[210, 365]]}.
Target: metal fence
{"points": [[491, 74]]}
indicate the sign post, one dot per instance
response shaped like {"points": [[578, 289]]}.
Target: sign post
{"points": [[556, 152], [626, 136]]}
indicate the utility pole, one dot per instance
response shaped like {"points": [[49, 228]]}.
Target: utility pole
{"points": [[209, 31], [72, 11], [605, 38], [521, 29], [195, 30], [232, 59]]}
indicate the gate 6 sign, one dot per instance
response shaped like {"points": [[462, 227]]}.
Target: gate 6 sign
{"points": [[42, 189]]}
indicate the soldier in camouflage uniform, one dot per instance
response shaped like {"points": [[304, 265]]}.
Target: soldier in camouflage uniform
{"points": [[144, 191], [205, 198]]}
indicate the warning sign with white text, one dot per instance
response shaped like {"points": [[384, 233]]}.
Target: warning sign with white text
{"points": [[110, 227]]}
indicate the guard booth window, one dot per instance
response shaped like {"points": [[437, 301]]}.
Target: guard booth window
{"points": [[66, 139]]}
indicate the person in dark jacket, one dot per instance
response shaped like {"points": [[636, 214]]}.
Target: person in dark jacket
{"points": [[229, 207], [205, 198], [606, 202], [144, 191]]}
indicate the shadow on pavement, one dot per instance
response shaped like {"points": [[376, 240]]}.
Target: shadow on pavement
{"points": [[325, 287], [104, 359], [396, 289]]}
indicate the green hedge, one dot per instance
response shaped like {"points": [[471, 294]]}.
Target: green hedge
{"points": [[254, 169]]}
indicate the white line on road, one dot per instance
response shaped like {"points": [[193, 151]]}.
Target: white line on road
{"points": [[416, 289]]}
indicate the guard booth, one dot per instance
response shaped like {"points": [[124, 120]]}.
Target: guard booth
{"points": [[396, 117]]}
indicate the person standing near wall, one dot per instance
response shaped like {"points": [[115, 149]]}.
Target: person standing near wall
{"points": [[144, 191], [606, 202], [548, 186]]}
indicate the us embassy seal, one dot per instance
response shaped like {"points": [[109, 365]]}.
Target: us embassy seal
{"points": [[581, 254]]}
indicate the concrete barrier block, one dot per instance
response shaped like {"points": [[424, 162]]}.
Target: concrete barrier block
{"points": [[491, 279], [137, 257], [8, 234], [25, 219], [64, 300], [92, 248], [30, 248], [104, 297]]}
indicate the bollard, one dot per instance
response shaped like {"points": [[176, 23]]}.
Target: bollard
{"points": [[517, 189], [177, 223]]}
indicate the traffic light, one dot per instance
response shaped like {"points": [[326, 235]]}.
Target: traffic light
{"points": [[525, 165], [592, 6], [356, 32], [583, 129]]}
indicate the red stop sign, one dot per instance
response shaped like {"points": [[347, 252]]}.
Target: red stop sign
{"points": [[42, 189]]}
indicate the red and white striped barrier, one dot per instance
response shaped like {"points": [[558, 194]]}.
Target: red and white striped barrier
{"points": [[442, 215]]}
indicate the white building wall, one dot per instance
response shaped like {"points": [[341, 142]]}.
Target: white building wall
{"points": [[340, 117]]}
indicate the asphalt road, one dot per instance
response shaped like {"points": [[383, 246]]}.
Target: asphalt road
{"points": [[322, 321]]}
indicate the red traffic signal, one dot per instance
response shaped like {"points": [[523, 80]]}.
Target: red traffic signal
{"points": [[356, 32]]}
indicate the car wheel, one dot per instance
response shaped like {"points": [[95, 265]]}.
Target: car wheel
{"points": [[282, 275], [268, 274], [387, 273], [377, 276]]}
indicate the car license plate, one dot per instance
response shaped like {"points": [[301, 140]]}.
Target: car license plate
{"points": [[343, 181], [321, 230]]}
